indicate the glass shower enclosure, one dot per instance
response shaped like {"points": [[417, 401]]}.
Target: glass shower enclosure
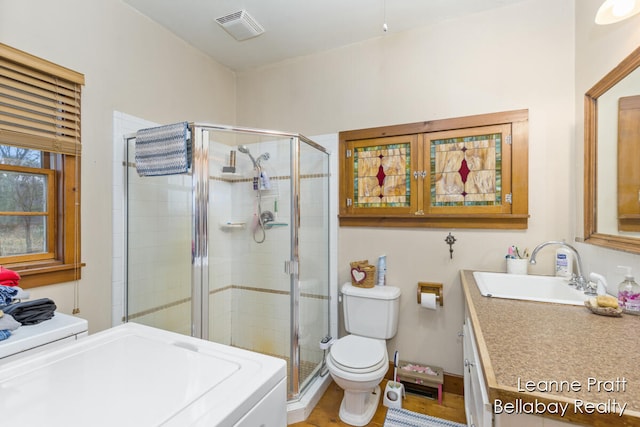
{"points": [[237, 250]]}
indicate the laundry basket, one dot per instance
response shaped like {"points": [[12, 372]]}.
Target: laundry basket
{"points": [[363, 274]]}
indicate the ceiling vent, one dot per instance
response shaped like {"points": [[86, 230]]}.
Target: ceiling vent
{"points": [[240, 25]]}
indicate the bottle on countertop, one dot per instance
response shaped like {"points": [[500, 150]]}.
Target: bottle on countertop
{"points": [[564, 263], [629, 293]]}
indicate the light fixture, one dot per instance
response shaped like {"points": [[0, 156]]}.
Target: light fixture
{"points": [[385, 28], [613, 11]]}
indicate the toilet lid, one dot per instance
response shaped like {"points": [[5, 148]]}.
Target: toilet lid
{"points": [[358, 354]]}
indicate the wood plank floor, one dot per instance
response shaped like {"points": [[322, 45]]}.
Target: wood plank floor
{"points": [[326, 411]]}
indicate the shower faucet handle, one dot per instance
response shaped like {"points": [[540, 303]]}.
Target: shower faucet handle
{"points": [[267, 216]]}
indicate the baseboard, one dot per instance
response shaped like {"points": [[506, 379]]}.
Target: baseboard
{"points": [[452, 383]]}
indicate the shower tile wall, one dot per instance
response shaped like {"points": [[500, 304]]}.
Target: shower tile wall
{"points": [[159, 248]]}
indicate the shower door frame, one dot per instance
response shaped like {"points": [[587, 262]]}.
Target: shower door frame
{"points": [[200, 262]]}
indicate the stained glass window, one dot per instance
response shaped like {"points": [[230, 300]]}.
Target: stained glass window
{"points": [[466, 171], [382, 176]]}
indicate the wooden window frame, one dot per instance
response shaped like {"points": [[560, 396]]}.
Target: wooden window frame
{"points": [[40, 110], [459, 217], [49, 214]]}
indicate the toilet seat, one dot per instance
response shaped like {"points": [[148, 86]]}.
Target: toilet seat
{"points": [[358, 355]]}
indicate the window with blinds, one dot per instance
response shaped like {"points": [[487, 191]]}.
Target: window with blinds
{"points": [[40, 151]]}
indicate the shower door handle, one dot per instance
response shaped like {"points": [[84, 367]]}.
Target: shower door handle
{"points": [[291, 267]]}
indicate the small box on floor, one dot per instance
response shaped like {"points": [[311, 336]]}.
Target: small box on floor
{"points": [[420, 378]]}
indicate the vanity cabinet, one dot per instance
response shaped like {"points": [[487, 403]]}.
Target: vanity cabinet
{"points": [[476, 399], [477, 405], [507, 343], [468, 172]]}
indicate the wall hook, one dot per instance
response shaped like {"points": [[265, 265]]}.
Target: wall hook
{"points": [[450, 240]]}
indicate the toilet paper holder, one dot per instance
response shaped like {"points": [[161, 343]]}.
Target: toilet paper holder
{"points": [[431, 288]]}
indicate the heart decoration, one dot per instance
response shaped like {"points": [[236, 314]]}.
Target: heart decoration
{"points": [[358, 275]]}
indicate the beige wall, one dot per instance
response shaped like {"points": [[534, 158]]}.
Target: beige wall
{"points": [[131, 65], [521, 56]]}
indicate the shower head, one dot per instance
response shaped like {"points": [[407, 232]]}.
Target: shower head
{"points": [[244, 150]]}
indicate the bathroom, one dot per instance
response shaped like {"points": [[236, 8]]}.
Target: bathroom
{"points": [[402, 78]]}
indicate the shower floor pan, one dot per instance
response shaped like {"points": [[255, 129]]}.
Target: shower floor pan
{"points": [[140, 376]]}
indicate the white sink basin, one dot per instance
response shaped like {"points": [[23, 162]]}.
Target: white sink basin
{"points": [[528, 287]]}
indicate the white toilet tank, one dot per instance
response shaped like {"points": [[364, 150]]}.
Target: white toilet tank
{"points": [[371, 312]]}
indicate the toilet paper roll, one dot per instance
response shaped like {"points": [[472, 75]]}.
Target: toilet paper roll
{"points": [[428, 300]]}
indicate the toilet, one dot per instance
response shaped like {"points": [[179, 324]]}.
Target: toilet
{"points": [[359, 361]]}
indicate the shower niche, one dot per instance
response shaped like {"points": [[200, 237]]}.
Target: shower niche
{"points": [[242, 257]]}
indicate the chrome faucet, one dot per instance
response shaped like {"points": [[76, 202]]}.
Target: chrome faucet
{"points": [[578, 280]]}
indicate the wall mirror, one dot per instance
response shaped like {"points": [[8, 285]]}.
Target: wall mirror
{"points": [[612, 137]]}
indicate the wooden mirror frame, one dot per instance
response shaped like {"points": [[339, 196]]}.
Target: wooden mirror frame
{"points": [[591, 235]]}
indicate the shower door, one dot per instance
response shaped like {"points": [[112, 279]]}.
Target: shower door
{"points": [[268, 286], [249, 291]]}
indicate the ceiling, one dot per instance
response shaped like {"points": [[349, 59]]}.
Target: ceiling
{"points": [[298, 27]]}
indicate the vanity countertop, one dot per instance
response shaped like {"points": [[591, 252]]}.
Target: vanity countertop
{"points": [[559, 354]]}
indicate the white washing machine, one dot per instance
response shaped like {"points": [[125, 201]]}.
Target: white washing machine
{"points": [[135, 375]]}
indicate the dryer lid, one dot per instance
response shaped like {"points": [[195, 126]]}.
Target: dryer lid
{"points": [[203, 383], [358, 353]]}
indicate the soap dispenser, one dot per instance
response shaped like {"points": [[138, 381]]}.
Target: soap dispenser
{"points": [[629, 293], [564, 263]]}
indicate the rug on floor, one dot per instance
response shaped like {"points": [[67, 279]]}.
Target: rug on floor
{"points": [[403, 418]]}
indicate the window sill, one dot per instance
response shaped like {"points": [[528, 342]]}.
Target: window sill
{"points": [[478, 221], [41, 274]]}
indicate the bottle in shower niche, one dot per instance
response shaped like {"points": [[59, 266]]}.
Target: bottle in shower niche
{"points": [[629, 293]]}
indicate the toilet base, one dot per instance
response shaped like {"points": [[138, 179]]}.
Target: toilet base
{"points": [[358, 408]]}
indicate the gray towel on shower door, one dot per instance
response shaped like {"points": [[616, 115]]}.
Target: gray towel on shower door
{"points": [[163, 150]]}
